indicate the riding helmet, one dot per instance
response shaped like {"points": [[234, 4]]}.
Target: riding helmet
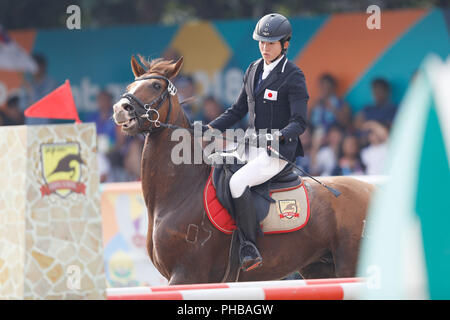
{"points": [[273, 27]]}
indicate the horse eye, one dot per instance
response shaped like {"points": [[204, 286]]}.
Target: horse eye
{"points": [[157, 86]]}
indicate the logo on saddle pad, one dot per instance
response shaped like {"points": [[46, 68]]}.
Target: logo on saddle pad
{"points": [[61, 169], [288, 209]]}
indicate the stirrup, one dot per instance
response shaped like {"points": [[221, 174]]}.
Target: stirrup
{"points": [[250, 261], [250, 266]]}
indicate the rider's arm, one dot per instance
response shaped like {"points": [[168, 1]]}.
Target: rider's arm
{"points": [[233, 114], [298, 101]]}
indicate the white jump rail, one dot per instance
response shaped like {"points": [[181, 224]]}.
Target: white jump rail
{"points": [[334, 291], [235, 289]]}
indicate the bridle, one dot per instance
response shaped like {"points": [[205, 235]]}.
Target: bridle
{"points": [[145, 109]]}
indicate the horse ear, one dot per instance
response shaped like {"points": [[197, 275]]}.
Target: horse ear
{"points": [[175, 68], [138, 70]]}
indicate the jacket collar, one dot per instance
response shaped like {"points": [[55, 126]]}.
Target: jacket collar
{"points": [[269, 67], [273, 75]]}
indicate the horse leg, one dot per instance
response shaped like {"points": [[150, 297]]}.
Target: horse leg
{"points": [[194, 268], [350, 211], [318, 270], [345, 260], [179, 278], [345, 250], [200, 263], [187, 275], [184, 274]]}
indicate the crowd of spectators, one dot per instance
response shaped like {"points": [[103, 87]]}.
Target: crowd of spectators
{"points": [[338, 141]]}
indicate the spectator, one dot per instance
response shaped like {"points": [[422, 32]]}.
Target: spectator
{"points": [[125, 165], [305, 162], [36, 86], [374, 155], [132, 160], [329, 109], [108, 134], [115, 172], [104, 167], [211, 109], [324, 160], [382, 111], [349, 162], [186, 91], [10, 113]]}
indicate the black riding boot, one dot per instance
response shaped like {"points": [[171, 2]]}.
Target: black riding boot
{"points": [[249, 228]]}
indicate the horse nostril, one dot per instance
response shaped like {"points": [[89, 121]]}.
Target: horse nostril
{"points": [[128, 107]]}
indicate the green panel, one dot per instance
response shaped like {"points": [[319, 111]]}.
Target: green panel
{"points": [[433, 207], [101, 54], [97, 58]]}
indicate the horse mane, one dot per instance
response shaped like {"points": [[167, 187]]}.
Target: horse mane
{"points": [[158, 65]]}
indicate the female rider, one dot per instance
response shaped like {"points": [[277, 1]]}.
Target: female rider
{"points": [[275, 96]]}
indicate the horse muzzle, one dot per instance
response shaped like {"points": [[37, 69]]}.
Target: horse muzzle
{"points": [[124, 118]]}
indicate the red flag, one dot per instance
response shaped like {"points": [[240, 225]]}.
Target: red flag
{"points": [[58, 104]]}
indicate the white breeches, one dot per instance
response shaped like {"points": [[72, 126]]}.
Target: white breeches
{"points": [[259, 168]]}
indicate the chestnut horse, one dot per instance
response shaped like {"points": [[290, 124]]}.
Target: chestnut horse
{"points": [[182, 243]]}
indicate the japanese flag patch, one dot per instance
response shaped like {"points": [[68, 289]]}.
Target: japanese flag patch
{"points": [[270, 95]]}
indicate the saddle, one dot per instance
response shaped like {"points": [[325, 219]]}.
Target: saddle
{"points": [[281, 205], [265, 198]]}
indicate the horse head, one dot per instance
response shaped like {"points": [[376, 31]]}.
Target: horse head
{"points": [[147, 101]]}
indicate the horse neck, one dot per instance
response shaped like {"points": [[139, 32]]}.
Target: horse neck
{"points": [[163, 182]]}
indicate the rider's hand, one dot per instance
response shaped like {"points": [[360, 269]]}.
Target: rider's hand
{"points": [[266, 139], [206, 127]]}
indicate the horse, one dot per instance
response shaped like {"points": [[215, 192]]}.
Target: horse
{"points": [[184, 245]]}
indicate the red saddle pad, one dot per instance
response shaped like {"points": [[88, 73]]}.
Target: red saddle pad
{"points": [[222, 220], [217, 214]]}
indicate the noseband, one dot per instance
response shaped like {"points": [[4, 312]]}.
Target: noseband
{"points": [[151, 107]]}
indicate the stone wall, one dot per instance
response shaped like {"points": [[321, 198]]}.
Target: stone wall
{"points": [[50, 221]]}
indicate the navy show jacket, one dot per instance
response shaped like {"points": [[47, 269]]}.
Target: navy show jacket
{"points": [[287, 113]]}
